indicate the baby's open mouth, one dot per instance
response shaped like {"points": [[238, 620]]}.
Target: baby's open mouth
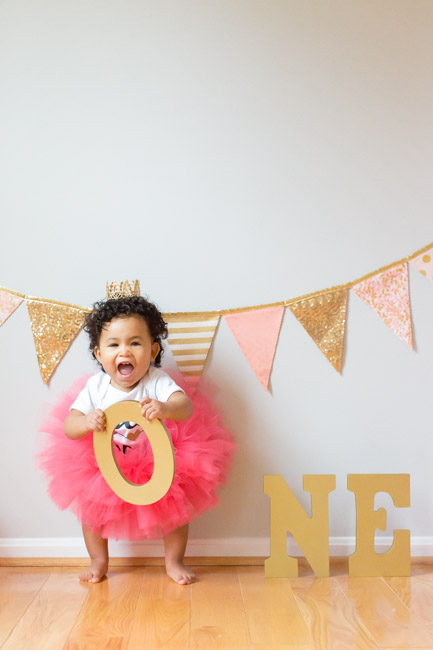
{"points": [[125, 368]]}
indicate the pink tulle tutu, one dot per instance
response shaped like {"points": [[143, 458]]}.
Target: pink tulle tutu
{"points": [[203, 451]]}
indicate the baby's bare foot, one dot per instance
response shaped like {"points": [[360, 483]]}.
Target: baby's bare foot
{"points": [[96, 571], [181, 574]]}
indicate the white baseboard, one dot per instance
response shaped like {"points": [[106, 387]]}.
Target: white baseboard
{"points": [[70, 547]]}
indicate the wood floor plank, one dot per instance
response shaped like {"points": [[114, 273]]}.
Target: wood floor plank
{"points": [[265, 646], [162, 615], [232, 608], [218, 617], [389, 621], [426, 578], [417, 594], [18, 588], [331, 619], [272, 612], [421, 569], [46, 623], [106, 620]]}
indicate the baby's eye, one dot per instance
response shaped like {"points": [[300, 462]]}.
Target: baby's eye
{"points": [[135, 343], [112, 345]]}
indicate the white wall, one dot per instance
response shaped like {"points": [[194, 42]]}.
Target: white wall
{"points": [[226, 153]]}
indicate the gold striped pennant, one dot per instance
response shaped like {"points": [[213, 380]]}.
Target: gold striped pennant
{"points": [[190, 338]]}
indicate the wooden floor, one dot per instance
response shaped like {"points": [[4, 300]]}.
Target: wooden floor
{"points": [[139, 608]]}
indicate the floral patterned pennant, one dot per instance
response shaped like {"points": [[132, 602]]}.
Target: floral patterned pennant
{"points": [[9, 302], [387, 293]]}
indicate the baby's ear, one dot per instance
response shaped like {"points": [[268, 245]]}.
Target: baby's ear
{"points": [[155, 349], [97, 354]]}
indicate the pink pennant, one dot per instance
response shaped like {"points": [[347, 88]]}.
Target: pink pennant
{"points": [[257, 333], [8, 303], [387, 293]]}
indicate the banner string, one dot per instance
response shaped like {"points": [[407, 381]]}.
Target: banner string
{"points": [[205, 315]]}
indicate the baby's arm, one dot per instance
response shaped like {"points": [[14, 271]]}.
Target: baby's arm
{"points": [[178, 407], [77, 425]]}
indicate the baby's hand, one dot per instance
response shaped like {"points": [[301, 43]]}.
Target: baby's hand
{"points": [[152, 408], [95, 420]]}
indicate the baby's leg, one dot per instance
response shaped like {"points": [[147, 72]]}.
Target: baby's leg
{"points": [[98, 551], [175, 547]]}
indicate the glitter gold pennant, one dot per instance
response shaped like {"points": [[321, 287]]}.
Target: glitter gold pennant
{"points": [[323, 316], [9, 302], [387, 293], [190, 339], [54, 327]]}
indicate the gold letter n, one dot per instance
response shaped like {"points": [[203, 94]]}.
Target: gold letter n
{"points": [[311, 533]]}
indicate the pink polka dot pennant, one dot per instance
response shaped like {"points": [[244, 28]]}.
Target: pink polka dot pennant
{"points": [[257, 333], [424, 263]]}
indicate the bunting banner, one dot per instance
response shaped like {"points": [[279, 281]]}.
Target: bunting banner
{"points": [[424, 263], [257, 333], [9, 302], [387, 293], [323, 316], [190, 339], [54, 327]]}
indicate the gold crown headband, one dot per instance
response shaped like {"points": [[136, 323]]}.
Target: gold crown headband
{"points": [[123, 290]]}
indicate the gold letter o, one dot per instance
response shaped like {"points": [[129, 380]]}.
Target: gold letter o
{"points": [[163, 455]]}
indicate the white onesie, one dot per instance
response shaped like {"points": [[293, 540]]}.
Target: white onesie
{"points": [[98, 393]]}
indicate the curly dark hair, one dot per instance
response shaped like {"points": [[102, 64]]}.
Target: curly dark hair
{"points": [[105, 310]]}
